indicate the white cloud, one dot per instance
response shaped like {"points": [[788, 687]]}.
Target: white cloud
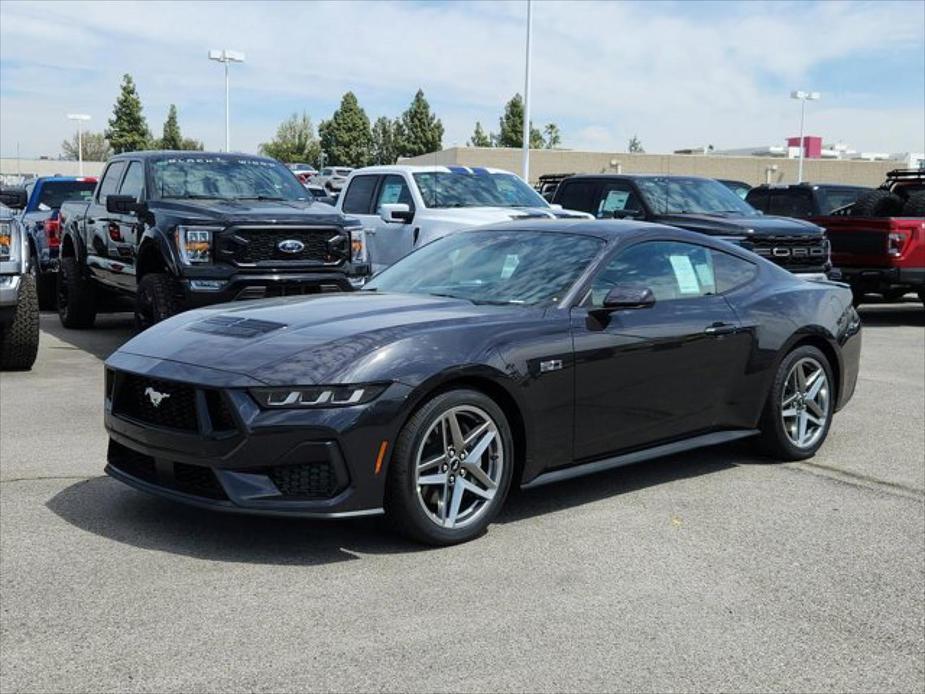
{"points": [[604, 71]]}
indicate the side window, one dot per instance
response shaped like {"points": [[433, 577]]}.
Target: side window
{"points": [[393, 190], [326, 172], [758, 198], [731, 272], [110, 182], [359, 195], [134, 182], [792, 202], [672, 270], [578, 195], [616, 197]]}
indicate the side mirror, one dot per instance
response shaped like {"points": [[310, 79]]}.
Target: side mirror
{"points": [[123, 204], [396, 212], [14, 198], [629, 296]]}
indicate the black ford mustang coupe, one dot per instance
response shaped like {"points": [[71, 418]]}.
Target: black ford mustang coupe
{"points": [[522, 353]]}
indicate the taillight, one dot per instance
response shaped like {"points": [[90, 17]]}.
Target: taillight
{"points": [[897, 242], [53, 232]]}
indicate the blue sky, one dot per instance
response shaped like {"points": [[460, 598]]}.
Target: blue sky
{"points": [[678, 74]]}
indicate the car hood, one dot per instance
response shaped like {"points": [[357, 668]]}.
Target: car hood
{"points": [[338, 338], [265, 212], [732, 224]]}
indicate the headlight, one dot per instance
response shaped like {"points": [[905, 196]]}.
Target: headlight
{"points": [[357, 244], [317, 396], [195, 244], [6, 240]]}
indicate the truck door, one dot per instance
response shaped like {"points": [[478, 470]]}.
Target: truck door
{"points": [[101, 250], [394, 238], [357, 201], [125, 229]]}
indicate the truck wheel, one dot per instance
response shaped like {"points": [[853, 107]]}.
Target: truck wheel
{"points": [[159, 297], [915, 205], [878, 203], [76, 296], [19, 341]]}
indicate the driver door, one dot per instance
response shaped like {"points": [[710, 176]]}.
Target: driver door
{"points": [[391, 240]]}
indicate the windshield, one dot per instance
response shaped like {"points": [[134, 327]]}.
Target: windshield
{"points": [[443, 190], [221, 177], [493, 267], [677, 195], [56, 193]]}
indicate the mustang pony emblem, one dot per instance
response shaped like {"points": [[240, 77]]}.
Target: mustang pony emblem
{"points": [[156, 397]]}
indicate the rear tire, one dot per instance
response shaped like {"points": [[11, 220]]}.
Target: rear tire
{"points": [[878, 203], [76, 296], [430, 478], [159, 297], [915, 205], [19, 341], [798, 410]]}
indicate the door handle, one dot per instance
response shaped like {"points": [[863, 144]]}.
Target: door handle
{"points": [[369, 232], [720, 328]]}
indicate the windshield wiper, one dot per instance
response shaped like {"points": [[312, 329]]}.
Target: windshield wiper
{"points": [[257, 197], [194, 196]]}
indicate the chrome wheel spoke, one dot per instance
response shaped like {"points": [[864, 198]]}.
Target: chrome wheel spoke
{"points": [[458, 441], [484, 493], [475, 433], [433, 462], [479, 449], [792, 412], [432, 479], [479, 475], [450, 518], [816, 409]]}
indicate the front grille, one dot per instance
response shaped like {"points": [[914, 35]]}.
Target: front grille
{"points": [[131, 462], [219, 412], [792, 251], [197, 480], [261, 246], [161, 403], [316, 480]]}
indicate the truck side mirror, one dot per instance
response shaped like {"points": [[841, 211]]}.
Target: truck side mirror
{"points": [[14, 198], [123, 204], [396, 212]]}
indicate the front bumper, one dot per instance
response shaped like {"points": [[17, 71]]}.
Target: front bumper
{"points": [[319, 463], [208, 290], [9, 290]]}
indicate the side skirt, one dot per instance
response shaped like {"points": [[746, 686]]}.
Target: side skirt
{"points": [[711, 439]]}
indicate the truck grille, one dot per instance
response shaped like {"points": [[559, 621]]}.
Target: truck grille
{"points": [[263, 246], [793, 251]]}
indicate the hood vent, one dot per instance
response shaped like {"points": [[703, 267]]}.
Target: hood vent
{"points": [[232, 326]]}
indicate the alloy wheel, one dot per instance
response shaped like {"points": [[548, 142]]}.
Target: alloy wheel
{"points": [[805, 402], [459, 466]]}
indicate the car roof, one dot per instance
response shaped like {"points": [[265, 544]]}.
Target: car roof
{"points": [[64, 179], [625, 176], [409, 168], [805, 184], [187, 154]]}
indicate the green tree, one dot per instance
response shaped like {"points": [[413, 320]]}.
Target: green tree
{"points": [[635, 146], [295, 141], [384, 149], [553, 138], [94, 145], [480, 138], [128, 129], [346, 138], [419, 130], [512, 126], [171, 139], [190, 143]]}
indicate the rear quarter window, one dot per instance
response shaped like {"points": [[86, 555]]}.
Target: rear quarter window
{"points": [[578, 195]]}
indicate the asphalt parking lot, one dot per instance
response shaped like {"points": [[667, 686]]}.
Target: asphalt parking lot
{"points": [[709, 571]]}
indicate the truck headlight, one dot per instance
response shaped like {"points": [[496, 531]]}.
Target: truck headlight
{"points": [[317, 396], [357, 244], [6, 240], [195, 244]]}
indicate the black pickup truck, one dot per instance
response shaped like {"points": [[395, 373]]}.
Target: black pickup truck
{"points": [[703, 205], [177, 230]]}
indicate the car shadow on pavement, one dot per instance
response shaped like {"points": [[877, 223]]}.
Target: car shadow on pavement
{"points": [[892, 314], [110, 332], [107, 508]]}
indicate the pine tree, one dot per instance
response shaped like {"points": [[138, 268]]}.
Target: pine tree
{"points": [[295, 141], [419, 131], [128, 129], [480, 138], [172, 139], [346, 137], [512, 126], [384, 141]]}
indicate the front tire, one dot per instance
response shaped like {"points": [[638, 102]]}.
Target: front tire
{"points": [[798, 412], [451, 469], [76, 296], [19, 341], [158, 298]]}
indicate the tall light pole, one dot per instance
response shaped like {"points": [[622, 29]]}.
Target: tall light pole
{"points": [[526, 148], [80, 145], [803, 97], [226, 56]]}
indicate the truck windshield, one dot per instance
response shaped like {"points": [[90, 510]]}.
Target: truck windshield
{"points": [[224, 178], [683, 195], [53, 194], [440, 189]]}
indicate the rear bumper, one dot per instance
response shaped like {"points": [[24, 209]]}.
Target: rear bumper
{"points": [[873, 278]]}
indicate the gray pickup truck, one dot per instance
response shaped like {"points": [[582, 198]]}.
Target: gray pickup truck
{"points": [[19, 304]]}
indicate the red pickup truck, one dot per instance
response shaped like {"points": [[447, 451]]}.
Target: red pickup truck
{"points": [[878, 242]]}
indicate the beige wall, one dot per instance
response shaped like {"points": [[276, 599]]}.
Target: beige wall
{"points": [[11, 167], [752, 170]]}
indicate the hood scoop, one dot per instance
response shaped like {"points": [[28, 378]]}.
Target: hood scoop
{"points": [[232, 326]]}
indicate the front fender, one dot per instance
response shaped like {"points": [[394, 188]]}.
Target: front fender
{"points": [[156, 241]]}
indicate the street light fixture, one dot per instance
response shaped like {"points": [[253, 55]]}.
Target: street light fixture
{"points": [[803, 97], [226, 56], [526, 142], [80, 145]]}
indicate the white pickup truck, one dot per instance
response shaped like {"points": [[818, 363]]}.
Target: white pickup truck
{"points": [[403, 207]]}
